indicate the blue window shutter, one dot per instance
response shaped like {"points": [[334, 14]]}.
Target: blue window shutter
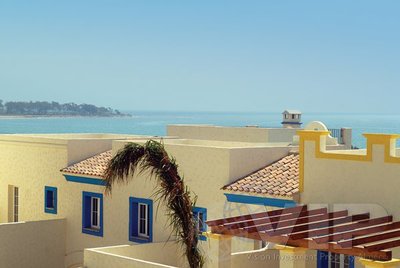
{"points": [[86, 209], [322, 259], [55, 200], [50, 199], [351, 261], [86, 213], [204, 229], [196, 211], [150, 206], [133, 220]]}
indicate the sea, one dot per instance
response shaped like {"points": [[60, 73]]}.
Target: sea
{"points": [[155, 122]]}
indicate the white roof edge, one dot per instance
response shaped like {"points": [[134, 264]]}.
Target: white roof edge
{"points": [[292, 111]]}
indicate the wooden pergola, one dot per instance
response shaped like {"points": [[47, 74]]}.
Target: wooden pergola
{"points": [[317, 229]]}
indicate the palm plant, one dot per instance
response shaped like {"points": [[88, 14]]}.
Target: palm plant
{"points": [[152, 156]]}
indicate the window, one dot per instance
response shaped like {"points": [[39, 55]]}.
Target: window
{"points": [[140, 220], [95, 213], [92, 213], [50, 199], [200, 216], [15, 204], [333, 260], [143, 220]]}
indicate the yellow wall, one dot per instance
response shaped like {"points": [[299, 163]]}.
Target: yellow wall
{"points": [[359, 181]]}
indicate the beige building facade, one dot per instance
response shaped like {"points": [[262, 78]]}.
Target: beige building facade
{"points": [[36, 189]]}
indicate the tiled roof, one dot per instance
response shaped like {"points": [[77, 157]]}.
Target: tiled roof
{"points": [[93, 166], [279, 179]]}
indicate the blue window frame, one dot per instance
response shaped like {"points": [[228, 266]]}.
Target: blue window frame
{"points": [[328, 260], [140, 220], [92, 213], [50, 199], [200, 216], [322, 259]]}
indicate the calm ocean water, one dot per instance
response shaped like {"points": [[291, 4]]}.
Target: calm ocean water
{"points": [[154, 123]]}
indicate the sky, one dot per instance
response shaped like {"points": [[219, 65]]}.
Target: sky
{"points": [[208, 55]]}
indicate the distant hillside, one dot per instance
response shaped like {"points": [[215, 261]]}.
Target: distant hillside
{"points": [[44, 108]]}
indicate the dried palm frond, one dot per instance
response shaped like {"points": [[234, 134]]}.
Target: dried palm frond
{"points": [[152, 157]]}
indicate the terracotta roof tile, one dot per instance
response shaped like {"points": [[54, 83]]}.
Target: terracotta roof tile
{"points": [[280, 178], [93, 166]]}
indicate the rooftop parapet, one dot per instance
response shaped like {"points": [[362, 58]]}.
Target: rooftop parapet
{"points": [[380, 147]]}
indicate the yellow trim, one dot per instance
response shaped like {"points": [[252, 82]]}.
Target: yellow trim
{"points": [[289, 249], [216, 236], [382, 264], [319, 137]]}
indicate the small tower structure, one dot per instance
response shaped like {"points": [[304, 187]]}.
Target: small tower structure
{"points": [[291, 119]]}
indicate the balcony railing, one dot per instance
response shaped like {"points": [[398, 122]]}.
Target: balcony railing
{"points": [[337, 133]]}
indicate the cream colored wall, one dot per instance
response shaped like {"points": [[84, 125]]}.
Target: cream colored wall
{"points": [[30, 166], [359, 182], [79, 150], [281, 134], [223, 144], [256, 259], [270, 258], [32, 163], [116, 216], [359, 186], [242, 134], [206, 170], [157, 253], [32, 244], [95, 259], [244, 161]]}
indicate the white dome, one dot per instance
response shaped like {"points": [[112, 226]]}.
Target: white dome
{"points": [[316, 126]]}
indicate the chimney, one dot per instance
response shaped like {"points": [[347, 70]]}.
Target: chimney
{"points": [[291, 119]]}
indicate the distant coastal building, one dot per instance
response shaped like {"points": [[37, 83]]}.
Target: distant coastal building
{"points": [[255, 181], [291, 119]]}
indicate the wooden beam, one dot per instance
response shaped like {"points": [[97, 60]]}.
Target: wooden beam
{"points": [[383, 245], [271, 213], [330, 222], [341, 228], [296, 222], [382, 255], [357, 232], [277, 220], [369, 239]]}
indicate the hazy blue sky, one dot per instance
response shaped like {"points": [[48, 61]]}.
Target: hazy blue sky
{"points": [[322, 56]]}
